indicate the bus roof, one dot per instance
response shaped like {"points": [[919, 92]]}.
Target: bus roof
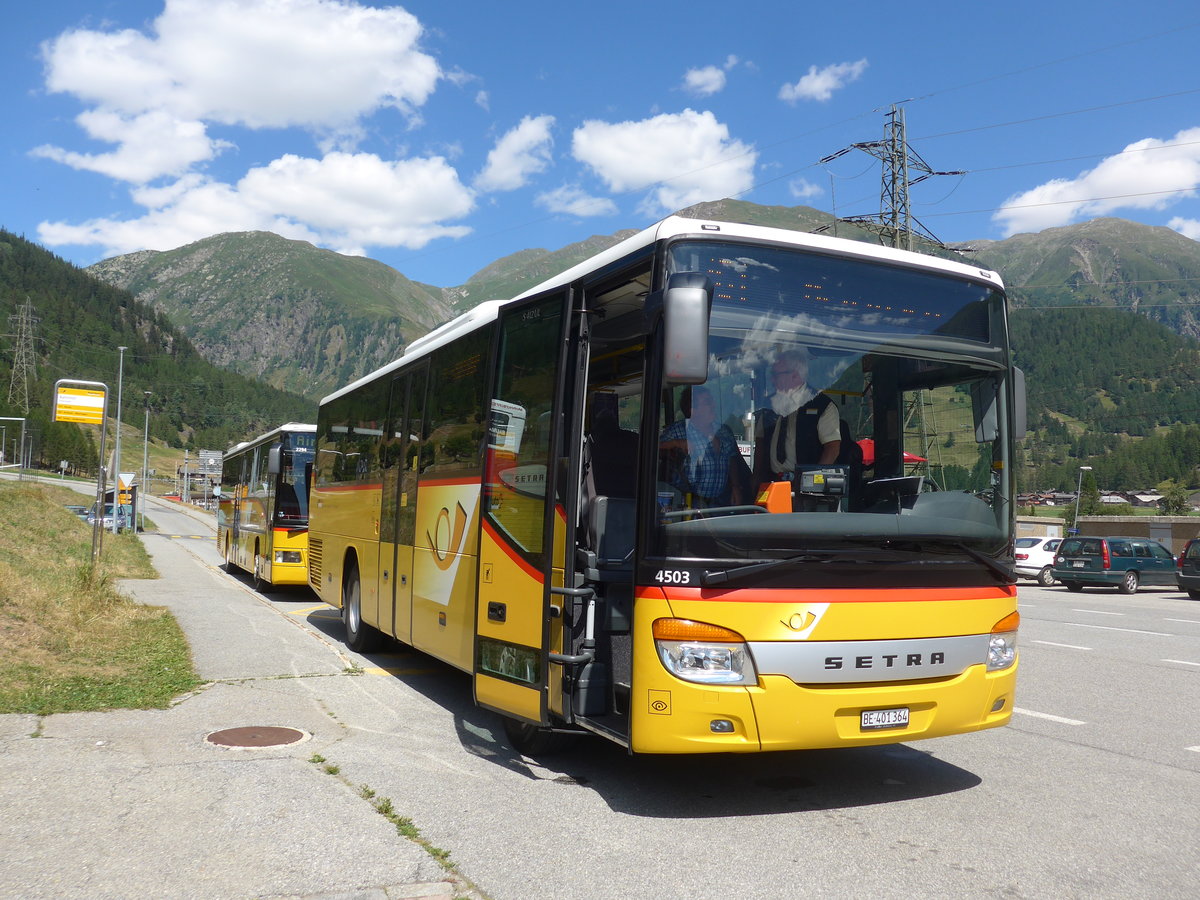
{"points": [[675, 226], [290, 428]]}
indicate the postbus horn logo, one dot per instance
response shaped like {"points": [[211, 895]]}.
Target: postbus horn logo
{"points": [[444, 553]]}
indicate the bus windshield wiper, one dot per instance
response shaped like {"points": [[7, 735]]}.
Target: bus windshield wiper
{"points": [[725, 576]]}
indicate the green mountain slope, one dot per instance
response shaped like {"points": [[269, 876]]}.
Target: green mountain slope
{"points": [[1104, 262], [281, 311], [81, 322]]}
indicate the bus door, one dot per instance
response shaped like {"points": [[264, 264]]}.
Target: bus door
{"points": [[397, 516], [518, 617]]}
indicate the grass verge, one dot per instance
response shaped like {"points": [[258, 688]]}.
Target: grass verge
{"points": [[71, 641]]}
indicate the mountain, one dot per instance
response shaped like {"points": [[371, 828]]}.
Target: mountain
{"points": [[1102, 263], [80, 324], [281, 311]]}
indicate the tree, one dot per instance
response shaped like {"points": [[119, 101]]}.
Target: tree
{"points": [[1174, 500]]}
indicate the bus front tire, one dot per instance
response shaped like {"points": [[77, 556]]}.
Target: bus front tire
{"points": [[532, 740], [360, 637]]}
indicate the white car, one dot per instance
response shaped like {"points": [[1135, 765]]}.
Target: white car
{"points": [[1035, 558]]}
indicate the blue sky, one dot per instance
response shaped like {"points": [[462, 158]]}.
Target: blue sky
{"points": [[440, 136]]}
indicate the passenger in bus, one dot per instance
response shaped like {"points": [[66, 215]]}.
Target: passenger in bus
{"points": [[802, 427], [701, 458]]}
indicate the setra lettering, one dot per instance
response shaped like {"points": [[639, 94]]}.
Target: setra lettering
{"points": [[887, 661]]}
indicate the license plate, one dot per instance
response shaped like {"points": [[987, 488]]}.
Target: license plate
{"points": [[1077, 564], [884, 718]]}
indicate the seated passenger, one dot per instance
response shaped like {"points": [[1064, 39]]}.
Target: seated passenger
{"points": [[701, 458]]}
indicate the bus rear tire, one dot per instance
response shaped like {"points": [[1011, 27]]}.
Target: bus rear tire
{"points": [[360, 637], [532, 740]]}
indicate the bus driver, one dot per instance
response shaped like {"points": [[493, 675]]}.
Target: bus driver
{"points": [[801, 428]]}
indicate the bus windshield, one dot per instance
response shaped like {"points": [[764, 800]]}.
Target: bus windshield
{"points": [[296, 461], [872, 398]]}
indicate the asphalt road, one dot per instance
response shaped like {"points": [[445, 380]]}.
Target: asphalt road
{"points": [[1090, 792]]}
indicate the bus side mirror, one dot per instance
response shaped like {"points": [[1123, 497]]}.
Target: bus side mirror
{"points": [[1020, 409], [685, 309], [983, 410], [275, 460]]}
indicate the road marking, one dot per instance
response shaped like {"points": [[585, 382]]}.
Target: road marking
{"points": [[1193, 749], [1098, 612], [309, 609], [1187, 621], [1068, 646], [1182, 662], [1126, 630], [1040, 715]]}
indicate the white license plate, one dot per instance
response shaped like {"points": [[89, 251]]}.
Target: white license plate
{"points": [[884, 718], [1077, 564]]}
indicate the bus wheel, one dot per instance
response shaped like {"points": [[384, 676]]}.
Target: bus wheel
{"points": [[531, 740], [260, 581], [360, 637]]}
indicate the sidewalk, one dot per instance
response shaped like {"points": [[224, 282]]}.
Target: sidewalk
{"points": [[140, 804]]}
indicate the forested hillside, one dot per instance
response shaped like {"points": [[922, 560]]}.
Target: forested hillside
{"points": [[80, 324], [1107, 388]]}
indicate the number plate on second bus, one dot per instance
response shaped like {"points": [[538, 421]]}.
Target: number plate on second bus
{"points": [[884, 718]]}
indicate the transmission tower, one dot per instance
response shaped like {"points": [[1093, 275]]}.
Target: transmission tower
{"points": [[894, 223], [24, 323]]}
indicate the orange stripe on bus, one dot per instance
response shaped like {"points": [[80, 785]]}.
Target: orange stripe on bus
{"points": [[511, 553], [831, 595]]}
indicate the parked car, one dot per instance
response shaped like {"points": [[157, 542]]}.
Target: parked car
{"points": [[81, 511], [1121, 562], [1187, 571], [107, 521], [1035, 558]]}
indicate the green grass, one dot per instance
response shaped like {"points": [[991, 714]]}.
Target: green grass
{"points": [[72, 642]]}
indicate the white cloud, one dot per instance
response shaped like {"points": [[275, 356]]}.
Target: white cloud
{"points": [[520, 153], [1189, 228], [1147, 174], [574, 201], [345, 201], [317, 64], [819, 84], [803, 189], [685, 158], [149, 146], [704, 81], [708, 80]]}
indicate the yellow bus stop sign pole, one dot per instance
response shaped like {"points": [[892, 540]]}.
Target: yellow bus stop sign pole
{"points": [[86, 403]]}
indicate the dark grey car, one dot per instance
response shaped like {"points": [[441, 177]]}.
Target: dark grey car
{"points": [[1187, 575], [1121, 562]]}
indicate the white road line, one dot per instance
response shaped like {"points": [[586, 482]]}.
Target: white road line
{"points": [[1068, 646], [1193, 749], [1127, 630], [1187, 621], [1182, 662], [1040, 715], [1098, 612]]}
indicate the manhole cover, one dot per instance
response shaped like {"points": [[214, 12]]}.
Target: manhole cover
{"points": [[256, 736]]}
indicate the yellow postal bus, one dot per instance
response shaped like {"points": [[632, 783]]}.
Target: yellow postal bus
{"points": [[262, 509], [634, 501]]}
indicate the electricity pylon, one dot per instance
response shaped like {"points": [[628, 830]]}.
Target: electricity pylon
{"points": [[894, 223], [23, 356]]}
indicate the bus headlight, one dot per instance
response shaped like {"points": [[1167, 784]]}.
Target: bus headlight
{"points": [[701, 653], [287, 556], [1002, 646]]}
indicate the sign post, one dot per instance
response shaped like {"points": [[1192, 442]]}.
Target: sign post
{"points": [[86, 403]]}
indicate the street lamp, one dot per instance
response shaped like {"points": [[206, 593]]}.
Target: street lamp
{"points": [[145, 460], [1078, 493], [117, 449]]}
